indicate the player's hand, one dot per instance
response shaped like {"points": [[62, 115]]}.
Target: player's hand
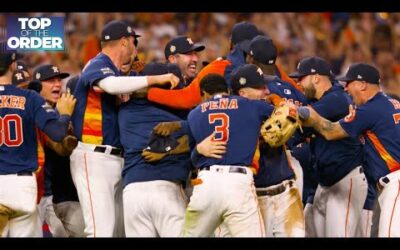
{"points": [[166, 128], [163, 80], [66, 103], [138, 66], [210, 148], [69, 143], [152, 156]]}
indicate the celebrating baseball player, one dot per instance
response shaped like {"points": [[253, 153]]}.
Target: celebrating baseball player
{"points": [[376, 117]]}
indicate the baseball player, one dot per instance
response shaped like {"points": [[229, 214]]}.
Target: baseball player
{"points": [[236, 121], [154, 202], [20, 111], [342, 188], [182, 51], [376, 118], [60, 206], [242, 33], [96, 162]]}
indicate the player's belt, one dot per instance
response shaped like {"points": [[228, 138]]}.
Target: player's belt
{"points": [[232, 169], [275, 190], [114, 151], [25, 173]]}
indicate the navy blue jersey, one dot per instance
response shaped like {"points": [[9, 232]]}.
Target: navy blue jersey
{"points": [[236, 120], [378, 121], [334, 159], [20, 111], [137, 119], [57, 179], [237, 58], [95, 118], [274, 166]]}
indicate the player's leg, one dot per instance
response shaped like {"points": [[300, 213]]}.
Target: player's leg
{"points": [[138, 205], [203, 213], [309, 224], [389, 201], [222, 231], [364, 224], [319, 211], [267, 212], [345, 203], [95, 176], [376, 211], [298, 171], [56, 227], [289, 221], [70, 214], [170, 209], [243, 216], [26, 225]]}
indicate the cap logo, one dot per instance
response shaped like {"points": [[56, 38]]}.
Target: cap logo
{"points": [[242, 81], [251, 52], [359, 77], [19, 67], [189, 40], [37, 75], [260, 71], [13, 56], [313, 71], [19, 76], [55, 69], [271, 61], [107, 37], [172, 48], [129, 29]]}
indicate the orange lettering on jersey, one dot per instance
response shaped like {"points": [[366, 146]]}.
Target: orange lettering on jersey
{"points": [[213, 105], [223, 103], [12, 101], [233, 104], [392, 164], [204, 106]]}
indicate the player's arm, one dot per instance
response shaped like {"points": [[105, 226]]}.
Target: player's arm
{"points": [[127, 84], [183, 147], [188, 97], [210, 148], [329, 130]]}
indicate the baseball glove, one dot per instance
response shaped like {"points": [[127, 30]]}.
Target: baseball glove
{"points": [[282, 124]]}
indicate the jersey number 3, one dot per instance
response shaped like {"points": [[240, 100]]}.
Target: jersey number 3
{"points": [[11, 124], [222, 130]]}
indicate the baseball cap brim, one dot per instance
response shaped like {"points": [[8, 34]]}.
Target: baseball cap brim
{"points": [[343, 78], [61, 75], [296, 75], [195, 47]]}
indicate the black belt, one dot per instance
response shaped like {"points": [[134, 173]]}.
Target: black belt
{"points": [[25, 173], [274, 191], [232, 169], [114, 151]]}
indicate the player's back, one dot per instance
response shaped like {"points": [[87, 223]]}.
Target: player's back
{"points": [[20, 111], [234, 119]]}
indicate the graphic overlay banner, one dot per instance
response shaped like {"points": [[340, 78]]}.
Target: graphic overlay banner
{"points": [[35, 33]]}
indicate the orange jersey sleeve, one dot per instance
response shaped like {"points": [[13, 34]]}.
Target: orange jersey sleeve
{"points": [[286, 78], [188, 97]]}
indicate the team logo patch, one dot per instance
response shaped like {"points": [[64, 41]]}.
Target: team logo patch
{"points": [[251, 52], [359, 77], [242, 81], [19, 76], [189, 40], [129, 29], [172, 48], [107, 37], [37, 75], [260, 71], [55, 69], [313, 71]]}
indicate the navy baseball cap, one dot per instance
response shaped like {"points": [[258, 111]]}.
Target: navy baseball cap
{"points": [[18, 77], [161, 144], [48, 71], [7, 56], [311, 66], [35, 85], [247, 76], [262, 49], [181, 45], [114, 30], [242, 33], [361, 72]]}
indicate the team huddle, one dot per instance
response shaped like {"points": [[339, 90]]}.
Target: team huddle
{"points": [[238, 149]]}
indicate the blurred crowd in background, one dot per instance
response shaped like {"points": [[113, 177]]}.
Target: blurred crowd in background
{"points": [[340, 38]]}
